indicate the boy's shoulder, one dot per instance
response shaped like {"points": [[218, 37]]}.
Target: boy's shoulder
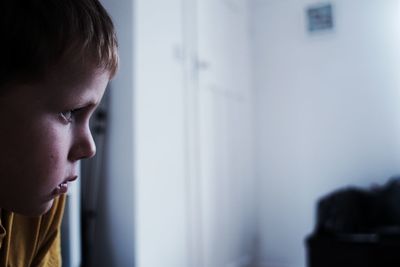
{"points": [[29, 241]]}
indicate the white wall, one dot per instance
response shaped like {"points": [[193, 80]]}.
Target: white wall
{"points": [[180, 185], [327, 112], [142, 198], [160, 180], [225, 134], [225, 115], [194, 175]]}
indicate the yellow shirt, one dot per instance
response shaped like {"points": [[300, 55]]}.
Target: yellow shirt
{"points": [[31, 241]]}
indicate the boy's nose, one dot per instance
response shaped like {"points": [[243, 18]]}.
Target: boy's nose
{"points": [[84, 146]]}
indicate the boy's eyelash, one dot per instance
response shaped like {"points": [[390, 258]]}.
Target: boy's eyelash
{"points": [[71, 115], [68, 115]]}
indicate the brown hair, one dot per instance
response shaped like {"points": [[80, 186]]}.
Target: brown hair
{"points": [[38, 35]]}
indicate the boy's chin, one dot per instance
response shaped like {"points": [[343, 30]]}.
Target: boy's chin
{"points": [[44, 209], [36, 211]]}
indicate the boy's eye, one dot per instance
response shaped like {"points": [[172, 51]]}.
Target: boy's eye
{"points": [[68, 116]]}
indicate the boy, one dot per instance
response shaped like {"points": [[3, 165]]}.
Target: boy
{"points": [[57, 58]]}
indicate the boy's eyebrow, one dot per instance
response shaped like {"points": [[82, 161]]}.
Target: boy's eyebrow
{"points": [[89, 104], [85, 103], [89, 99]]}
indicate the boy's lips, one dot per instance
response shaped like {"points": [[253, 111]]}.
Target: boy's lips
{"points": [[62, 188], [71, 178]]}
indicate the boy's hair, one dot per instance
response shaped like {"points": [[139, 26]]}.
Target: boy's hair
{"points": [[39, 35]]}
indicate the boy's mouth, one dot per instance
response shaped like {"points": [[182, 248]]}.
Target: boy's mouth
{"points": [[63, 187]]}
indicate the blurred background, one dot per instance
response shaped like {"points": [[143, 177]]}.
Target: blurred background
{"points": [[227, 121]]}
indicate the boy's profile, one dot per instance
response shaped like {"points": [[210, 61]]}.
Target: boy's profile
{"points": [[57, 58]]}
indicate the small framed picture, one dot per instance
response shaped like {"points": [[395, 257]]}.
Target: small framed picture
{"points": [[320, 17]]}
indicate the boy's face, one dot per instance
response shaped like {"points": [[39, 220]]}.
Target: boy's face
{"points": [[44, 132]]}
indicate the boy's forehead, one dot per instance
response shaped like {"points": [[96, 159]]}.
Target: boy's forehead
{"points": [[74, 72], [61, 87], [76, 79]]}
